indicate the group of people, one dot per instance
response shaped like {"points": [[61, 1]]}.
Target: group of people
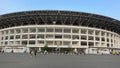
{"points": [[2, 51], [33, 52]]}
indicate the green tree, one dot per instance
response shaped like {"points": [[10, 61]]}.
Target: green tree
{"points": [[45, 48]]}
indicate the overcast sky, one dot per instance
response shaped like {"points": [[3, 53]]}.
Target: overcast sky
{"points": [[110, 8]]}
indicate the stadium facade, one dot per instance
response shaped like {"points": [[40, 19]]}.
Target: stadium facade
{"points": [[22, 31]]}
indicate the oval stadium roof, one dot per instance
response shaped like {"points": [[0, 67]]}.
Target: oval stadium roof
{"points": [[58, 17]]}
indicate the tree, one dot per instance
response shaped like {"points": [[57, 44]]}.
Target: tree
{"points": [[45, 48]]}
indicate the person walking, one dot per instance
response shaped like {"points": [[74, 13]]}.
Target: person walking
{"points": [[35, 52], [31, 53]]}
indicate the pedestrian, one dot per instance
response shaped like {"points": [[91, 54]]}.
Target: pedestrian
{"points": [[97, 52], [12, 51], [84, 53], [2, 51], [45, 52], [30, 53], [35, 52]]}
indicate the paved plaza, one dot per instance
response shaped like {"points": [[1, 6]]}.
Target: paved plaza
{"points": [[59, 61]]}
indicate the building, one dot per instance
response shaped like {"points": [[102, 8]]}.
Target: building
{"points": [[22, 31]]}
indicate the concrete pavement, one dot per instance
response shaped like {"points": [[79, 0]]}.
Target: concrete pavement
{"points": [[59, 61]]}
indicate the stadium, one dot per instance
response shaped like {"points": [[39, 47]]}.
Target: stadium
{"points": [[59, 30]]}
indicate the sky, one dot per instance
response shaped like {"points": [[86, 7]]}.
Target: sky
{"points": [[109, 8]]}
